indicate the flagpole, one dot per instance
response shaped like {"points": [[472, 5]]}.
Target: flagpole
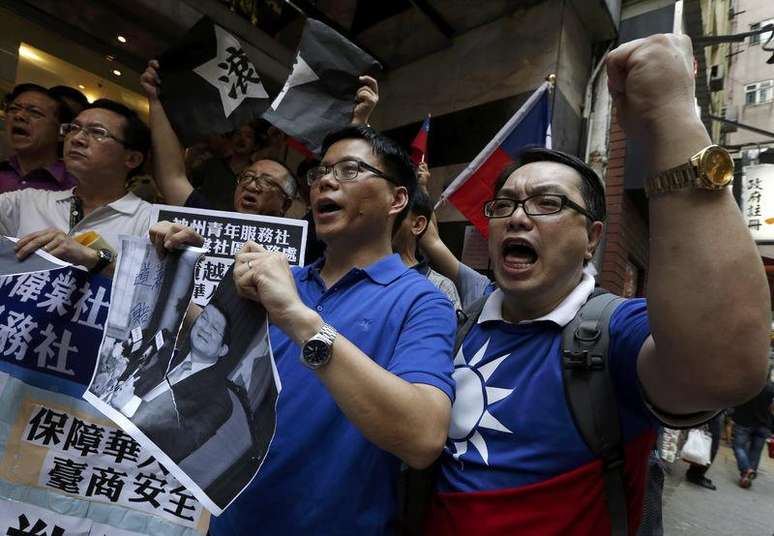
{"points": [[422, 160], [492, 145]]}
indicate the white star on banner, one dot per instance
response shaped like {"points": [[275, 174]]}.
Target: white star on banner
{"points": [[300, 75], [232, 73]]}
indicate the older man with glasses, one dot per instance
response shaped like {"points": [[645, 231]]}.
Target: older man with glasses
{"points": [[32, 118], [105, 145]]}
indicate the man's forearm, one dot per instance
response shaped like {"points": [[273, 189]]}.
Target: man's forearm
{"points": [[438, 254], [168, 160], [707, 294]]}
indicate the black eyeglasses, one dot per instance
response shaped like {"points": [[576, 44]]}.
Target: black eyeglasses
{"points": [[344, 171], [534, 205], [98, 134], [261, 182]]}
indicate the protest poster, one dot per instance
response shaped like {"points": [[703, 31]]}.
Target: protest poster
{"points": [[51, 323], [57, 453], [62, 463], [224, 234], [200, 395]]}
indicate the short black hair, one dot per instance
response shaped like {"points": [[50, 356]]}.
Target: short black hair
{"points": [[67, 92], [136, 134], [64, 114], [592, 188], [394, 158]]}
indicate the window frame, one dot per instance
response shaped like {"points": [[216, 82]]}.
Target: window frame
{"points": [[762, 92]]}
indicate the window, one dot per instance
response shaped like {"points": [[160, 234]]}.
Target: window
{"points": [[761, 37], [759, 92]]}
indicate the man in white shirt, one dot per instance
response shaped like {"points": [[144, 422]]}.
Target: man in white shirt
{"points": [[103, 147]]}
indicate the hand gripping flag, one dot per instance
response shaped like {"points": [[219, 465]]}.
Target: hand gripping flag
{"points": [[209, 84], [419, 145], [529, 126], [319, 95]]}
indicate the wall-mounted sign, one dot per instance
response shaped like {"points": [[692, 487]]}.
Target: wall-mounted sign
{"points": [[758, 201]]}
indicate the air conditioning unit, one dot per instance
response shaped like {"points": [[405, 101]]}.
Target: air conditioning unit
{"points": [[730, 113], [716, 78]]}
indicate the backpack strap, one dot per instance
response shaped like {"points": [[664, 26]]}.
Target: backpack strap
{"points": [[591, 398], [466, 319]]}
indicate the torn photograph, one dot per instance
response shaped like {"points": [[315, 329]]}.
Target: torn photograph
{"points": [[196, 387]]}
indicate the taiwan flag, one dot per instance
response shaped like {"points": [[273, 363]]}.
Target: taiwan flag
{"points": [[419, 145], [529, 126]]}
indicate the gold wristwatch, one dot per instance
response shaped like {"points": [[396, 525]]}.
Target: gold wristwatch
{"points": [[710, 169]]}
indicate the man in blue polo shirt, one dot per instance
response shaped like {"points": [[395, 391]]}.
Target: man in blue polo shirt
{"points": [[363, 349], [515, 462]]}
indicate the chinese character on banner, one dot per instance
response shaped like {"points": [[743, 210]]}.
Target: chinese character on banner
{"points": [[121, 447], [90, 306], [147, 488], [265, 234], [66, 475], [248, 233], [54, 345], [214, 228], [47, 426], [181, 503], [84, 437], [16, 334], [29, 286], [35, 530], [281, 237], [108, 483], [58, 298], [199, 226]]}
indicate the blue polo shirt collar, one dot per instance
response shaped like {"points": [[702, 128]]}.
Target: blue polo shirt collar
{"points": [[383, 272]]}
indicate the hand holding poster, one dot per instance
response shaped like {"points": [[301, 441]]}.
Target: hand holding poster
{"points": [[199, 396]]}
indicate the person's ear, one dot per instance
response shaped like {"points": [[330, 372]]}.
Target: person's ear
{"points": [[286, 205], [134, 160], [419, 225], [223, 350], [595, 231], [399, 200]]}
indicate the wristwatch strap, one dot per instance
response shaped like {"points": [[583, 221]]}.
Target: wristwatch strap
{"points": [[677, 178], [104, 259]]}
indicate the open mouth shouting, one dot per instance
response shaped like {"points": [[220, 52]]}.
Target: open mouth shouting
{"points": [[248, 201], [325, 208], [19, 132], [519, 254]]}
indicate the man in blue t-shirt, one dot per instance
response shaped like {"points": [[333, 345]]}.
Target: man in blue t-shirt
{"points": [[363, 350], [514, 462]]}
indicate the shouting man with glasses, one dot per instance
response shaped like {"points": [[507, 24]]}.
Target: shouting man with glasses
{"points": [[105, 145], [32, 119], [516, 461], [363, 349]]}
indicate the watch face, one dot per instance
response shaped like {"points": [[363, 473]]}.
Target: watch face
{"points": [[718, 167], [316, 352]]}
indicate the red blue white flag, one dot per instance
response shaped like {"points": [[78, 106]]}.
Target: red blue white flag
{"points": [[529, 126], [419, 145]]}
